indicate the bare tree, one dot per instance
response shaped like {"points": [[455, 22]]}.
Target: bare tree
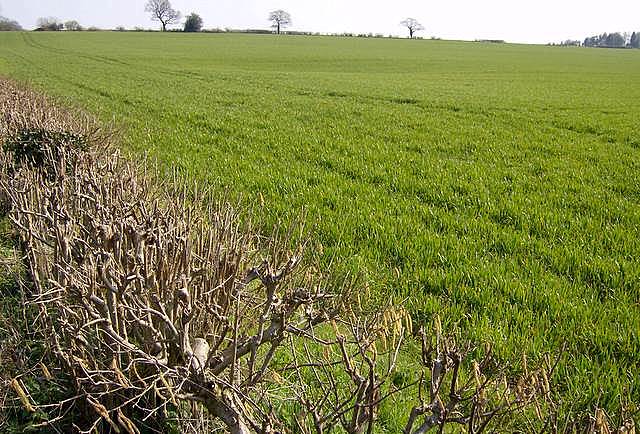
{"points": [[162, 11], [412, 25], [280, 19]]}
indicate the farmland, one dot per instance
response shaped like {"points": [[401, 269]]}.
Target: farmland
{"points": [[495, 185]]}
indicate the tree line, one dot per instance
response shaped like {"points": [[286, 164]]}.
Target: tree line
{"points": [[613, 40], [161, 11], [607, 40]]}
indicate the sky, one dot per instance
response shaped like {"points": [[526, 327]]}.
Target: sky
{"points": [[525, 21]]}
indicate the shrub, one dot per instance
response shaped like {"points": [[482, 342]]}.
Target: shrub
{"points": [[43, 149]]}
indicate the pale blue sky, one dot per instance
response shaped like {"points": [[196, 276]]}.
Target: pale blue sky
{"points": [[535, 21]]}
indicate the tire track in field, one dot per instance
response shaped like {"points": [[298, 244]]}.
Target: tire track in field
{"points": [[81, 85], [30, 41], [138, 70]]}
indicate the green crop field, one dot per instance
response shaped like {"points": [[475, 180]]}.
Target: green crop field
{"points": [[497, 185]]}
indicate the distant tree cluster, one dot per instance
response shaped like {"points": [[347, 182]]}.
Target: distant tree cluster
{"points": [[611, 40], [7, 25], [73, 26], [50, 24], [570, 43], [607, 40]]}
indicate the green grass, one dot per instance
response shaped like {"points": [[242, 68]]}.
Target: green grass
{"points": [[494, 184]]}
